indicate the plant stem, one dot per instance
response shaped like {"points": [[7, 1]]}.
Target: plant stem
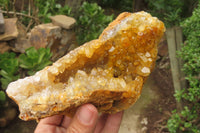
{"points": [[21, 14], [14, 10]]}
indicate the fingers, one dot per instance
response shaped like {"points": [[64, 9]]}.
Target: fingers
{"points": [[84, 120], [113, 123], [50, 125], [53, 120], [66, 121], [101, 123]]}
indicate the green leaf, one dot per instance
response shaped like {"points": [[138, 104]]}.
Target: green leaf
{"points": [[31, 52], [91, 21], [41, 66], [34, 60], [5, 82], [2, 97], [41, 56], [31, 72], [5, 74], [7, 78]]}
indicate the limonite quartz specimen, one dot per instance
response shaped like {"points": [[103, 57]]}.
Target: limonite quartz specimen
{"points": [[108, 72]]}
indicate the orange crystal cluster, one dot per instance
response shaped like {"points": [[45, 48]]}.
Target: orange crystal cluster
{"points": [[108, 72]]}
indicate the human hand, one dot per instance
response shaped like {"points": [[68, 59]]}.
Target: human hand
{"points": [[86, 120]]}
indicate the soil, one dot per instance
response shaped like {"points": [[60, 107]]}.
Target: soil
{"points": [[159, 111]]}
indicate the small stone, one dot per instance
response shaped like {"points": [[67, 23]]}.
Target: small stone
{"points": [[63, 21], [11, 31], [10, 114], [68, 36], [22, 30], [2, 24], [45, 35], [3, 122], [72, 47], [144, 129], [21, 45], [144, 121], [163, 49], [67, 41], [4, 47]]}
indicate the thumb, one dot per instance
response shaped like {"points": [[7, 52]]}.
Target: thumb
{"points": [[84, 120]]}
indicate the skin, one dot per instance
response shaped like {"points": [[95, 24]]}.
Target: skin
{"points": [[86, 120]]}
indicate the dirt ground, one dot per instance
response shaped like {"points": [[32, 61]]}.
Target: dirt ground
{"points": [[160, 109]]}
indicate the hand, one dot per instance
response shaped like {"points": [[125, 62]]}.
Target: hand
{"points": [[86, 120]]}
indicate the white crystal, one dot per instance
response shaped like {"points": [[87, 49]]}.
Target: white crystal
{"points": [[147, 54], [112, 49], [122, 83], [145, 70], [150, 60]]}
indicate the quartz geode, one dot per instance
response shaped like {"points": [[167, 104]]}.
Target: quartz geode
{"points": [[108, 72]]}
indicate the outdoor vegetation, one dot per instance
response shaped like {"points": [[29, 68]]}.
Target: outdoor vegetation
{"points": [[13, 67], [91, 22], [189, 118], [93, 16], [172, 12]]}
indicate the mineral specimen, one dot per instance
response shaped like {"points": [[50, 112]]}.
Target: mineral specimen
{"points": [[108, 72]]}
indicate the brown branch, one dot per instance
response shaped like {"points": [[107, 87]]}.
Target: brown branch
{"points": [[29, 8], [29, 25], [35, 11], [21, 14], [22, 7], [14, 10]]}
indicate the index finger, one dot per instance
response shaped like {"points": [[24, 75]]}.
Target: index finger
{"points": [[113, 123], [50, 124], [53, 120]]}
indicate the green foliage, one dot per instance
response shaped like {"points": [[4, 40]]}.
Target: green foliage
{"points": [[35, 60], [9, 66], [192, 24], [121, 5], [171, 12], [8, 72], [5, 4], [188, 120], [183, 121], [2, 97], [174, 122], [190, 52], [44, 9], [91, 22], [49, 8], [107, 3]]}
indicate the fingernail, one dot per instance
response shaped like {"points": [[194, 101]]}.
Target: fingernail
{"points": [[85, 115]]}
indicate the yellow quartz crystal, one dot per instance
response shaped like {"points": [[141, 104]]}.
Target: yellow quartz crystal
{"points": [[108, 72]]}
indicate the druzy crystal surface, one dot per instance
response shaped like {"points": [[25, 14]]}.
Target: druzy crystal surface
{"points": [[108, 72]]}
